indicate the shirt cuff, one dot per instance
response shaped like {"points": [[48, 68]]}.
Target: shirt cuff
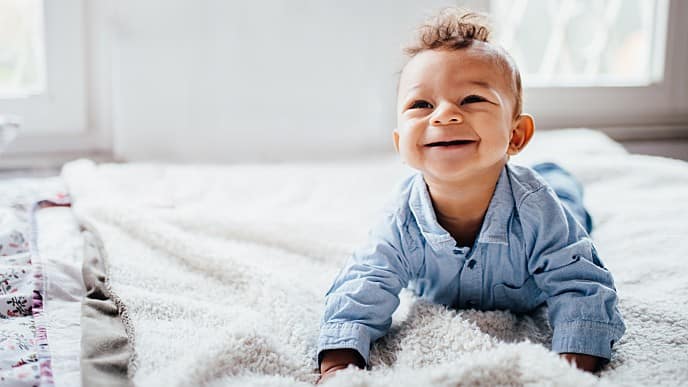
{"points": [[345, 335], [586, 337]]}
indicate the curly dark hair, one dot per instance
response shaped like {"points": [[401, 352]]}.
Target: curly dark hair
{"points": [[456, 29]]}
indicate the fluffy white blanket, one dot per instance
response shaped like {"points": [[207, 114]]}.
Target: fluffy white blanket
{"points": [[221, 271]]}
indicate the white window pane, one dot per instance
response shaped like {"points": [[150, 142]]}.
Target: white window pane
{"points": [[584, 42], [22, 67]]}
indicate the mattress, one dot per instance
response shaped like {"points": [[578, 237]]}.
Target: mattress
{"points": [[161, 274]]}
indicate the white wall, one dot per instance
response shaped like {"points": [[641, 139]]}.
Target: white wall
{"points": [[225, 81]]}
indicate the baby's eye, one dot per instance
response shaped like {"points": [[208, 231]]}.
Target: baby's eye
{"points": [[473, 99], [421, 105]]}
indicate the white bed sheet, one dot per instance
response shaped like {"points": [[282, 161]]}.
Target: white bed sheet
{"points": [[223, 269], [60, 251], [61, 246]]}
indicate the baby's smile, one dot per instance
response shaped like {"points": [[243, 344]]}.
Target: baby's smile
{"points": [[450, 144], [452, 148]]}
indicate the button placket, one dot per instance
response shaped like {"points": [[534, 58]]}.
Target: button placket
{"points": [[471, 284]]}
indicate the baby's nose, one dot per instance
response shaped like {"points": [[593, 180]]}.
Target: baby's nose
{"points": [[451, 120], [448, 116]]}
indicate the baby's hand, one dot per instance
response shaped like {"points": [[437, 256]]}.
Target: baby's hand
{"points": [[338, 359], [324, 375], [584, 362]]}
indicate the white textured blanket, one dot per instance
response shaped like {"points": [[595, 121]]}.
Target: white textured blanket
{"points": [[222, 271]]}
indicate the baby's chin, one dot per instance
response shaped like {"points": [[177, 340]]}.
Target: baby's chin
{"points": [[453, 172], [446, 172]]}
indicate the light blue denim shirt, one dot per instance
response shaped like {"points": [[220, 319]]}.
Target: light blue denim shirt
{"points": [[530, 250]]}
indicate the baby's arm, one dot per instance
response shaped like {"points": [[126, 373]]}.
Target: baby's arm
{"points": [[360, 303], [582, 299]]}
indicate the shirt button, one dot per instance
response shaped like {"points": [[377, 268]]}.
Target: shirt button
{"points": [[471, 264]]}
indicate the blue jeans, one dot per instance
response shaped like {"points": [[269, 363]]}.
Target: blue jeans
{"points": [[568, 189]]}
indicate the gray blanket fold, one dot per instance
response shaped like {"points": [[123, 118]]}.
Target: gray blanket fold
{"points": [[105, 347]]}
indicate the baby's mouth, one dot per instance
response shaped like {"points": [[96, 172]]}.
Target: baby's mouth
{"points": [[449, 143]]}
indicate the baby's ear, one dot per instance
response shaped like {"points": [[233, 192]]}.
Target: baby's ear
{"points": [[395, 136], [521, 133]]}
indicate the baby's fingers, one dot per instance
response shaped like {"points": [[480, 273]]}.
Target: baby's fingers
{"points": [[329, 373]]}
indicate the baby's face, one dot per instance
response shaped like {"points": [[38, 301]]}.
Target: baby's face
{"points": [[454, 113]]}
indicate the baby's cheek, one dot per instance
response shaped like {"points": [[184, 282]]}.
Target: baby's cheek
{"points": [[412, 159], [495, 143], [406, 147], [408, 157]]}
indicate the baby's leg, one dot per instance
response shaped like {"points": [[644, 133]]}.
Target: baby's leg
{"points": [[568, 189]]}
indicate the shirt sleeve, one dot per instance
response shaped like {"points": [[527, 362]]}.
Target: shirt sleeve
{"points": [[360, 303], [582, 299]]}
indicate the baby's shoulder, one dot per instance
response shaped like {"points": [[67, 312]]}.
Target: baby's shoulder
{"points": [[398, 201], [395, 222], [397, 211], [525, 182]]}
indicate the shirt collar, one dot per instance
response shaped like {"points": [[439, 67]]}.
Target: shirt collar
{"points": [[494, 226]]}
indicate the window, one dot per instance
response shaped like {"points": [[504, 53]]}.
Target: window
{"points": [[585, 42], [22, 50], [43, 75], [598, 63]]}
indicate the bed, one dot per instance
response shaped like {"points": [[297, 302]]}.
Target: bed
{"points": [[213, 275]]}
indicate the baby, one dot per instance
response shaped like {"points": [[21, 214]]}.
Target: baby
{"points": [[470, 230]]}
